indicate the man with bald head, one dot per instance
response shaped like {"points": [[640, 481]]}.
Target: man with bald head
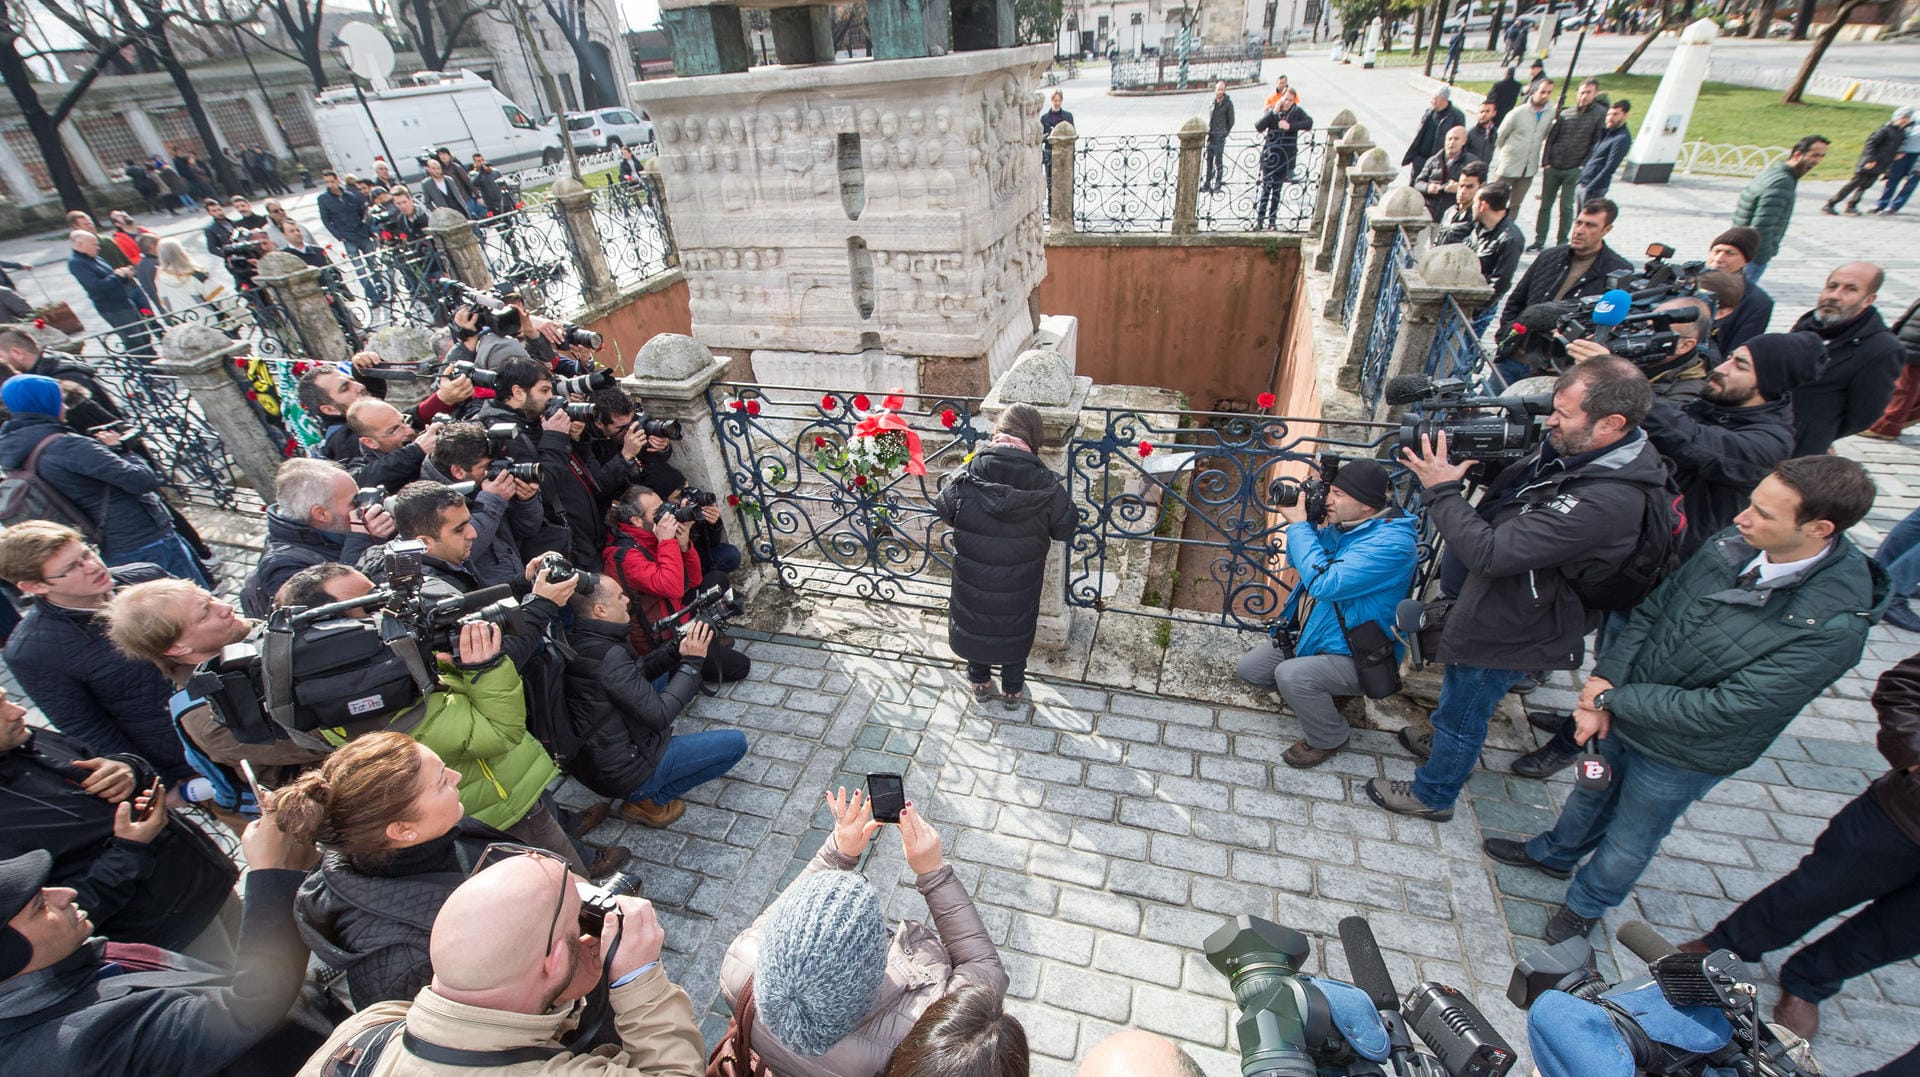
{"points": [[1132, 1053], [115, 293], [510, 966], [391, 452], [1863, 361]]}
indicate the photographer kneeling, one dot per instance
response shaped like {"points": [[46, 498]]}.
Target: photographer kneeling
{"points": [[504, 510], [651, 555], [1356, 557], [624, 705]]}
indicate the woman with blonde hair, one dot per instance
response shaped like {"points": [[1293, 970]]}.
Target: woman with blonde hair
{"points": [[182, 283]]}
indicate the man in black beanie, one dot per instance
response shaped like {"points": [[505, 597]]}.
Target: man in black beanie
{"points": [[1355, 563], [1719, 445], [1730, 252]]}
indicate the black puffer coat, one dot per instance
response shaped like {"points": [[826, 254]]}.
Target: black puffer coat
{"points": [[1852, 389], [623, 724], [1007, 510]]}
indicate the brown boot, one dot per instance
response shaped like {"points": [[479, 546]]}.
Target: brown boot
{"points": [[1798, 1014], [647, 813], [591, 816], [607, 860], [1303, 755]]}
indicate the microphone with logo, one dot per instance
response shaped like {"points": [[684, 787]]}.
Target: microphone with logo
{"points": [[1612, 309]]}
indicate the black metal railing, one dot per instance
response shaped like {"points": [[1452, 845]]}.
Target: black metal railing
{"points": [[531, 249], [1184, 506], [1456, 351], [1125, 183], [397, 283], [825, 523], [1231, 203], [633, 233], [1203, 67], [1385, 329], [1357, 265]]}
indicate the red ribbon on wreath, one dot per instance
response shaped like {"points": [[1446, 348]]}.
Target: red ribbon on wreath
{"points": [[884, 421]]}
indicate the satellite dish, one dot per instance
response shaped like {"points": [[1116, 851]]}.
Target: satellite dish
{"points": [[367, 51]]}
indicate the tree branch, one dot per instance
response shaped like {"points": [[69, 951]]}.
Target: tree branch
{"points": [[83, 80]]}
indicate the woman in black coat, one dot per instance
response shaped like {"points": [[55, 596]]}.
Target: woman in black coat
{"points": [[1007, 509]]}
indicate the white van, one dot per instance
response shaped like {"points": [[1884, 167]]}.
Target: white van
{"points": [[1479, 17], [460, 111]]}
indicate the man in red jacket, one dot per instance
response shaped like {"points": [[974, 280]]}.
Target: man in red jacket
{"points": [[651, 553]]}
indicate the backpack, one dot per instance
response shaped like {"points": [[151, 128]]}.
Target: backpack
{"points": [[24, 496], [1656, 555]]}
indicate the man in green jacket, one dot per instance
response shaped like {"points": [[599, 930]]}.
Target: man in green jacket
{"points": [[1709, 670], [1766, 204]]}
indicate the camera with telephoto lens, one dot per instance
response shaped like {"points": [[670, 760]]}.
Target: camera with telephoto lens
{"points": [[367, 497], [679, 510], [492, 312], [525, 472], [583, 384], [572, 336], [557, 569], [1621, 318], [481, 379], [714, 606], [657, 428], [1497, 429], [698, 498], [579, 412], [246, 248], [1286, 492]]}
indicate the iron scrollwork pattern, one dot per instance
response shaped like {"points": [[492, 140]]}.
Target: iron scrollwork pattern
{"points": [[626, 217], [1125, 183], [1357, 269], [1220, 472], [1456, 350], [397, 283], [1232, 207], [531, 249], [1385, 329], [821, 529]]}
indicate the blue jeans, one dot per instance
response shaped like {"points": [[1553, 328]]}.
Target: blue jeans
{"points": [[723, 557], [1467, 698], [170, 553], [1901, 169], [1621, 825], [1753, 271], [691, 759], [370, 281], [1899, 554]]}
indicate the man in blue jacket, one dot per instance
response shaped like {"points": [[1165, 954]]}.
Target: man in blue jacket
{"points": [[343, 212], [1355, 565], [118, 491], [1596, 176], [115, 292]]}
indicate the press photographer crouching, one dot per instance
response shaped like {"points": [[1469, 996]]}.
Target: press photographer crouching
{"points": [[1356, 554], [651, 555], [621, 443], [317, 516], [624, 704], [503, 503]]}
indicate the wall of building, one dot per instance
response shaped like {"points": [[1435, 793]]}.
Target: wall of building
{"points": [[1204, 315], [661, 308]]}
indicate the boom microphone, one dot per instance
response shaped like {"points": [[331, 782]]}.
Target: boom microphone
{"points": [[1647, 944], [1368, 969], [1400, 389]]}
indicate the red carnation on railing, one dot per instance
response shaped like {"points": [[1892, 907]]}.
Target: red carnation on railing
{"points": [[828, 403], [948, 418], [736, 405], [145, 313], [1264, 400], [861, 403], [892, 402], [1146, 448], [384, 234], [39, 323], [819, 442], [753, 407], [859, 480], [733, 501]]}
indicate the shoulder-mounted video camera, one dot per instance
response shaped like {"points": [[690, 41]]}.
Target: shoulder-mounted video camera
{"points": [[714, 606], [1496, 429]]}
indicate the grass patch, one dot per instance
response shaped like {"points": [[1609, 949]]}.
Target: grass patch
{"points": [[1746, 116], [602, 178], [1163, 634]]}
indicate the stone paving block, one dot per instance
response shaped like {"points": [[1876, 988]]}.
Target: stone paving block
{"points": [[1157, 815], [1122, 780], [1204, 796], [1703, 844], [1188, 854], [1527, 883], [1233, 830], [1232, 899], [1366, 822], [1175, 1013], [1109, 840], [1160, 760], [1431, 900], [1168, 885], [1162, 710], [1279, 807], [1053, 940], [1048, 768], [1091, 748], [1009, 789], [1309, 783], [1232, 771], [1017, 892], [1181, 927], [1275, 872], [1133, 729], [1397, 859], [993, 849], [1023, 973], [1049, 1032], [1314, 845], [1138, 959], [1086, 803], [1063, 719], [1360, 887], [1845, 780], [1025, 738], [1200, 977], [1195, 739], [1036, 823]]}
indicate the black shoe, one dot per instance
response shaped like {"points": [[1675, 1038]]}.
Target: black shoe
{"points": [[1547, 721], [1526, 685], [1544, 762], [1567, 924], [1537, 246], [1512, 852], [1420, 746], [1828, 209], [1901, 615]]}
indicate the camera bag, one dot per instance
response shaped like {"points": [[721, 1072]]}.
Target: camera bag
{"points": [[1374, 663], [339, 673]]}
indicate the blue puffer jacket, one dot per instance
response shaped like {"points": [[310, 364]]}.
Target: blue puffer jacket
{"points": [[95, 478], [1366, 571]]}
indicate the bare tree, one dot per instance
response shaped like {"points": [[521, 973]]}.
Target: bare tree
{"points": [[1819, 49], [1659, 26], [435, 41], [598, 87], [301, 21], [43, 122]]}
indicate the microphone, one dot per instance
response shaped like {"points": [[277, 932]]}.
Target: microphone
{"points": [[1612, 308], [1404, 389], [1370, 975], [1647, 944]]}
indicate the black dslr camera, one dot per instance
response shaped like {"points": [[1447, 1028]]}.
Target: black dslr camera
{"points": [[583, 384], [657, 428], [1287, 493], [493, 313], [481, 379], [714, 606], [1496, 429]]}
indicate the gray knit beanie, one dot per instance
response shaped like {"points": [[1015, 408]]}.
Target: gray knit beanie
{"points": [[822, 960]]}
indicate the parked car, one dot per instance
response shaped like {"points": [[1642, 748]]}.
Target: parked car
{"points": [[603, 129], [1479, 18]]}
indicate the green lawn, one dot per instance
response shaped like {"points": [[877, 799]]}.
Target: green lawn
{"points": [[1744, 116]]}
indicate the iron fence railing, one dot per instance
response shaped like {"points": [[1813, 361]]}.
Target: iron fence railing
{"points": [[396, 283], [1203, 67], [1385, 328], [1456, 351], [1357, 266], [1125, 183], [633, 233], [532, 250], [825, 522], [1232, 200]]}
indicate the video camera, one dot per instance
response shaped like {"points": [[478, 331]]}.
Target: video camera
{"points": [[246, 248], [714, 606], [1622, 318], [1286, 492], [1444, 407]]}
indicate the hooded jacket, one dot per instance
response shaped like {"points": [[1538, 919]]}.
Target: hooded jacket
{"points": [[1707, 672], [1766, 206], [1719, 454], [505, 531], [372, 922], [656, 575], [103, 483], [1006, 510], [623, 723], [292, 546], [164, 892], [1541, 528], [1364, 571], [1863, 361], [191, 1020], [923, 965], [89, 690], [1896, 698]]}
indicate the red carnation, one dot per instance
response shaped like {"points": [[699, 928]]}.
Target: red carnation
{"points": [[39, 323], [819, 442], [893, 402], [251, 395], [861, 402], [948, 418], [859, 480], [385, 234], [1265, 400], [242, 363], [145, 313], [733, 501], [1146, 448], [736, 404], [828, 403], [753, 407]]}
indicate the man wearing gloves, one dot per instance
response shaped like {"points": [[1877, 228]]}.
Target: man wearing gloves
{"points": [[1355, 565]]}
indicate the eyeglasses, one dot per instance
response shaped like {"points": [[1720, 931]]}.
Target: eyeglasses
{"points": [[88, 556], [501, 850]]}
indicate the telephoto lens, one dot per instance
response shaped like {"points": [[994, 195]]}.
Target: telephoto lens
{"points": [[1261, 961]]}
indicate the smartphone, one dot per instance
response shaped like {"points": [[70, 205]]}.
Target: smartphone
{"points": [[246, 769], [888, 794], [155, 796]]}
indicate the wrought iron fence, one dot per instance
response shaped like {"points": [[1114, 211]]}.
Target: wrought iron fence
{"points": [[1456, 351], [1179, 515], [1721, 159], [1229, 201], [539, 175], [632, 231], [1203, 67], [531, 249], [1385, 330], [1357, 267], [1125, 183], [823, 522], [396, 283]]}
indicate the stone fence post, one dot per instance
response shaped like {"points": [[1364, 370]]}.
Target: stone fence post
{"points": [[1346, 153], [1452, 271], [1371, 169], [1060, 177], [576, 216], [670, 379], [454, 232], [295, 287], [200, 357], [1334, 134], [657, 189], [1044, 378], [1400, 208], [1186, 187]]}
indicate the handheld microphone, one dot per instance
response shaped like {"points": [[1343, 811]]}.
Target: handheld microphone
{"points": [[1370, 975], [1647, 944], [1591, 770], [1612, 308]]}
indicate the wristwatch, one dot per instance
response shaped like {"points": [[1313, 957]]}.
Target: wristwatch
{"points": [[1601, 701]]}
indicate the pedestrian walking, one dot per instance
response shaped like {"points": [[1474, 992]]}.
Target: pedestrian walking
{"points": [[1609, 150], [1902, 174], [1876, 160], [1455, 45], [1441, 116], [1766, 204]]}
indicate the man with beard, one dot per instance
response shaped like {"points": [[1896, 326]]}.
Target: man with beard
{"points": [[1863, 361], [1766, 204]]}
